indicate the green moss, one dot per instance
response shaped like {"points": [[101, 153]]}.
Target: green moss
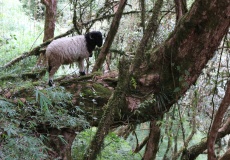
{"points": [[95, 90], [88, 92], [101, 90]]}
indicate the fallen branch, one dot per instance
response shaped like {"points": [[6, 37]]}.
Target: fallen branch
{"points": [[34, 75], [36, 50]]}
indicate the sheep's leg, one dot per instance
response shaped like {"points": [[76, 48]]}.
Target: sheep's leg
{"points": [[81, 67], [87, 65], [52, 71]]}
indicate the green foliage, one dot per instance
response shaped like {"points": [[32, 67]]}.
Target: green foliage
{"points": [[34, 8], [53, 103], [17, 122], [44, 102], [133, 83], [6, 109], [18, 31], [21, 31], [158, 101], [23, 147], [17, 143], [114, 147]]}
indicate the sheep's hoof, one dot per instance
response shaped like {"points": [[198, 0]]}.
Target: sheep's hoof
{"points": [[82, 73], [51, 83]]}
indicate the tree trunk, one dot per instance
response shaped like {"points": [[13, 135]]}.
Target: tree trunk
{"points": [[108, 117], [143, 14], [50, 18], [217, 123], [60, 140], [181, 8], [153, 142], [119, 98], [109, 39]]}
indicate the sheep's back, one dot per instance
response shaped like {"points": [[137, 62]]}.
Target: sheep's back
{"points": [[67, 50]]}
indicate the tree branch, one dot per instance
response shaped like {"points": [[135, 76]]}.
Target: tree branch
{"points": [[217, 122], [141, 145], [150, 30], [117, 99], [181, 8], [194, 151], [110, 37], [153, 141], [36, 50], [45, 2]]}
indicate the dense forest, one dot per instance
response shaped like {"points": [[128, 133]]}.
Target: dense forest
{"points": [[157, 88]]}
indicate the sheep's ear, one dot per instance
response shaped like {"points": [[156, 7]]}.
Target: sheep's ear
{"points": [[90, 36]]}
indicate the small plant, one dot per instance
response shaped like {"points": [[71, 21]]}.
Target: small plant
{"points": [[133, 82], [113, 145]]}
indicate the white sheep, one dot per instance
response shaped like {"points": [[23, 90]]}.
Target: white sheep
{"points": [[71, 49]]}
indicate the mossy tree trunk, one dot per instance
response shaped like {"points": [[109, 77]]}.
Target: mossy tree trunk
{"points": [[173, 66], [111, 34]]}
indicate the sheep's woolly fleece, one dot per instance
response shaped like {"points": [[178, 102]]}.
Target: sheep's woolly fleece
{"points": [[66, 50]]}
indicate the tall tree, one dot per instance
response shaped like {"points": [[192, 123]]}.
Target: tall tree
{"points": [[96, 144], [49, 28], [109, 39], [164, 68]]}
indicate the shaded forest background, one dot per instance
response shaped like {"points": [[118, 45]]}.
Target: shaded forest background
{"points": [[38, 122]]}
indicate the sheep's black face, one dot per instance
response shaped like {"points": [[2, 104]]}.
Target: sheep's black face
{"points": [[98, 38], [92, 39]]}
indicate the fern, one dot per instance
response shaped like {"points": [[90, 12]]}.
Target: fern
{"points": [[53, 103], [43, 101], [6, 108]]}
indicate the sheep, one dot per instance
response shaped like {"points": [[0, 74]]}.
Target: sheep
{"points": [[71, 49]]}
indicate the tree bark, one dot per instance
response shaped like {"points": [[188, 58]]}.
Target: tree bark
{"points": [[181, 8], [226, 155], [217, 123], [109, 39], [108, 117], [152, 144], [143, 14], [184, 54], [149, 32], [49, 28], [50, 18]]}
